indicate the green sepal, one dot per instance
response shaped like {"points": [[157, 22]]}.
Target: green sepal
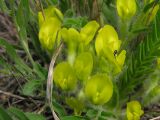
{"points": [[76, 104]]}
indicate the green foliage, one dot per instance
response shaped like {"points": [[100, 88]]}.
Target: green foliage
{"points": [[4, 115], [16, 114], [140, 64], [104, 64]]}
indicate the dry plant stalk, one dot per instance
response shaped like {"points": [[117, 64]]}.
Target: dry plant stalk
{"points": [[50, 81]]}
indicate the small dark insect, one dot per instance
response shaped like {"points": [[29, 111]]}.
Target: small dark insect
{"points": [[115, 53]]}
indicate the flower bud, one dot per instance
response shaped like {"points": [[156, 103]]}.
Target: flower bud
{"points": [[99, 89], [134, 110], [83, 65], [64, 76], [126, 8]]}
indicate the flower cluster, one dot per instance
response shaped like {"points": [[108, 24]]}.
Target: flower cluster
{"points": [[84, 48]]}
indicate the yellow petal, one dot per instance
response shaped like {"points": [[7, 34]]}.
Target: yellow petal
{"points": [[64, 76], [48, 33], [88, 32], [83, 65], [48, 13], [70, 35], [107, 36], [121, 58], [99, 89]]}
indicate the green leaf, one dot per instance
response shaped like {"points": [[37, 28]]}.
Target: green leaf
{"points": [[13, 55], [73, 118], [22, 18], [3, 6], [18, 113], [4, 65], [59, 108], [91, 113], [77, 23], [30, 87], [32, 116], [141, 62], [148, 6], [4, 115], [75, 104]]}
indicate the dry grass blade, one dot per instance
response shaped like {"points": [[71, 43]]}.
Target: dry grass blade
{"points": [[50, 80], [12, 95]]}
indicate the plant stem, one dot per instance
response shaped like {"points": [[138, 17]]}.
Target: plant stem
{"points": [[50, 81]]}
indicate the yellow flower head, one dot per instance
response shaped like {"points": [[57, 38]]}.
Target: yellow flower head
{"points": [[99, 89], [49, 27], [134, 110], [126, 8]]}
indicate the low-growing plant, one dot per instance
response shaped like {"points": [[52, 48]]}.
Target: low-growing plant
{"points": [[104, 57]]}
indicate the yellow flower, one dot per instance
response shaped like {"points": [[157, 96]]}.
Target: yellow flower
{"points": [[48, 33], [99, 89], [106, 44], [126, 8], [49, 27], [134, 110], [107, 37], [64, 76], [88, 31]]}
